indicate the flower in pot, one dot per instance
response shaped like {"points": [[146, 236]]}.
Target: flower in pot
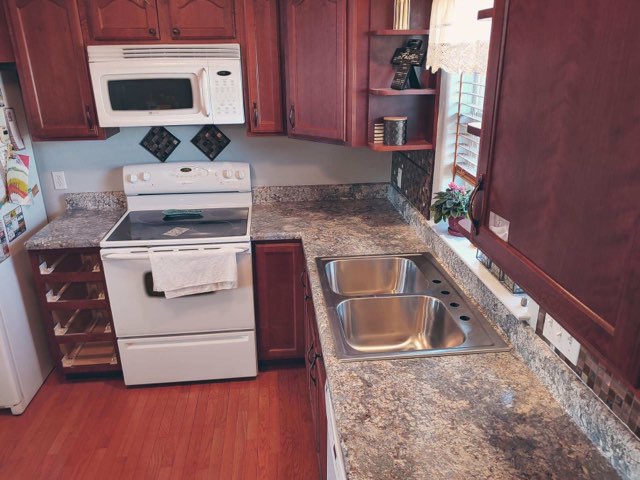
{"points": [[451, 205]]}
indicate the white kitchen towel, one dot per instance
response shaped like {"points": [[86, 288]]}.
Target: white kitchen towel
{"points": [[179, 273]]}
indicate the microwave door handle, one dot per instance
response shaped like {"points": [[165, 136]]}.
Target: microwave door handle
{"points": [[204, 91]]}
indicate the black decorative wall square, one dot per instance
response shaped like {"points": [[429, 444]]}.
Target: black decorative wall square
{"points": [[160, 143], [210, 141], [416, 179]]}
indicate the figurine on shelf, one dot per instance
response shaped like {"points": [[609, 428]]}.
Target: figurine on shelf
{"points": [[401, 14]]}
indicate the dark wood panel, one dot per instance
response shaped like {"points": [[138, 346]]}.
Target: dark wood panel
{"points": [[264, 72], [560, 165], [6, 49], [53, 70], [249, 429], [280, 300], [316, 53], [200, 19], [126, 20]]}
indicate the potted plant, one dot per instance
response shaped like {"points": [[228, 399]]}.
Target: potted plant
{"points": [[451, 205]]}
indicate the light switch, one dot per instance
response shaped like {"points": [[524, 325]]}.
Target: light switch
{"points": [[561, 339], [59, 180]]}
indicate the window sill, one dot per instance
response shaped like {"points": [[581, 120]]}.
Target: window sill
{"points": [[467, 253]]}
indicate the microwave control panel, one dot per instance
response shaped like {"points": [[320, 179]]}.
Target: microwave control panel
{"points": [[226, 91]]}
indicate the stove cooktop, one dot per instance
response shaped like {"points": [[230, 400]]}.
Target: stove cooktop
{"points": [[181, 226]]}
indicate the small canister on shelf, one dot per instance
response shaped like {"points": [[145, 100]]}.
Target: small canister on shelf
{"points": [[395, 130]]}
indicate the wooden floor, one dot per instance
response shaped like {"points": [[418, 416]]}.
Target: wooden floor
{"points": [[220, 430]]}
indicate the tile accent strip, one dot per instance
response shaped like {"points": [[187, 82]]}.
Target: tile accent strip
{"points": [[412, 175], [96, 201], [612, 437], [319, 193]]}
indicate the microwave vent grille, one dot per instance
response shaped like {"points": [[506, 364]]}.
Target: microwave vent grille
{"points": [[106, 53]]}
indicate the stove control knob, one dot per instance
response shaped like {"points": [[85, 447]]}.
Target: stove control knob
{"points": [[239, 174], [227, 173], [133, 178], [145, 176]]}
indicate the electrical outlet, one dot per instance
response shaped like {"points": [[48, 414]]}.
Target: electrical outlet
{"points": [[399, 178], [59, 180], [561, 339]]}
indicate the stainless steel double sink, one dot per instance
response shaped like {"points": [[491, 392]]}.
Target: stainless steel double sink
{"points": [[399, 306]]}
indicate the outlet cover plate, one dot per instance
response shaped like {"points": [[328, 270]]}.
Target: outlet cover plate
{"points": [[59, 180], [561, 339]]}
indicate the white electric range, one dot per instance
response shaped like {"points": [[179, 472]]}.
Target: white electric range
{"points": [[198, 337]]}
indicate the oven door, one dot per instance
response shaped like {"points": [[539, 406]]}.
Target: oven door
{"points": [[147, 95], [139, 311]]}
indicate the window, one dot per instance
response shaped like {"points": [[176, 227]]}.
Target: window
{"points": [[469, 99]]}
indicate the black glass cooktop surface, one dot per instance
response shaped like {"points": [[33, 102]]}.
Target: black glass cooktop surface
{"points": [[182, 224]]}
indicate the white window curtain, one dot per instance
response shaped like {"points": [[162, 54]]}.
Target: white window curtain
{"points": [[458, 41]]}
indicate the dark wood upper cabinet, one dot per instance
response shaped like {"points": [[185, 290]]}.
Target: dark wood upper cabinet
{"points": [[201, 19], [262, 57], [280, 300], [316, 68], [53, 70], [122, 19], [559, 162], [6, 49]]}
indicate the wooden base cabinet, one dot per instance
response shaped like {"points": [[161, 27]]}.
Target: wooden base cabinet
{"points": [[317, 378], [556, 206], [279, 300], [75, 309]]}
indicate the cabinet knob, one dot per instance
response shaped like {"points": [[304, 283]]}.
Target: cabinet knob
{"points": [[152, 31], [175, 31]]}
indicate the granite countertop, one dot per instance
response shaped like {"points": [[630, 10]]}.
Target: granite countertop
{"points": [[453, 417], [75, 228]]}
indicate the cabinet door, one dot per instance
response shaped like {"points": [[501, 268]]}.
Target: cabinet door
{"points": [[560, 164], [262, 54], [316, 69], [280, 300], [53, 69], [201, 19], [122, 19]]}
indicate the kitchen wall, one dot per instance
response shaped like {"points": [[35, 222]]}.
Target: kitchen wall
{"points": [[93, 166]]}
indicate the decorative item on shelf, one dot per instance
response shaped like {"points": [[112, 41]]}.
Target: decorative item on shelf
{"points": [[210, 141], [160, 143], [451, 205], [395, 130], [378, 133], [401, 14], [407, 59]]}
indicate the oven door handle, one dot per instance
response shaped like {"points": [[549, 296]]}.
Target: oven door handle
{"points": [[145, 255], [125, 256]]}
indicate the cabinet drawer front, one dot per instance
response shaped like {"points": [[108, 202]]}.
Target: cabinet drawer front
{"points": [[188, 358]]}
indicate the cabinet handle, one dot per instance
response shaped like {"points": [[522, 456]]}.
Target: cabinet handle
{"points": [[87, 114], [175, 31], [312, 368], [292, 116], [311, 347], [255, 114], [152, 31], [304, 284], [471, 210]]}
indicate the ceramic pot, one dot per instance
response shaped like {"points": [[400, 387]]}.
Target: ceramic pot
{"points": [[454, 227]]}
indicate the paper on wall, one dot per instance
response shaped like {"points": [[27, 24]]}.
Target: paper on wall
{"points": [[14, 130], [4, 245], [18, 179], [14, 223]]}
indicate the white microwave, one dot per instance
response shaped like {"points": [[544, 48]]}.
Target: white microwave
{"points": [[148, 85]]}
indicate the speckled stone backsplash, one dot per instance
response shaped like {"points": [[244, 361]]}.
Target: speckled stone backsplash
{"points": [[319, 193], [96, 201], [412, 175], [594, 417]]}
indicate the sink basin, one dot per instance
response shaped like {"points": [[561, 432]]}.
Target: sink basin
{"points": [[374, 276], [402, 323], [400, 306]]}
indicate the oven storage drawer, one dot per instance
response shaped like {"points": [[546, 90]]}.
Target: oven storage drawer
{"points": [[187, 358]]}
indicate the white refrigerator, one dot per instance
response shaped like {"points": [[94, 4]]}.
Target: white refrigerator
{"points": [[24, 358]]}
